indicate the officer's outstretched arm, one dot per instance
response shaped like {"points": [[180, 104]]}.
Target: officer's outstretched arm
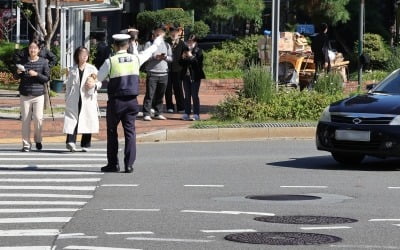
{"points": [[147, 53], [104, 71]]}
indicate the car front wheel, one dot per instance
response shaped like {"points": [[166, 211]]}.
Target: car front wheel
{"points": [[348, 158]]}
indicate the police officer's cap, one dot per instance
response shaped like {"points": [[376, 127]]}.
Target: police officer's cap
{"points": [[121, 38]]}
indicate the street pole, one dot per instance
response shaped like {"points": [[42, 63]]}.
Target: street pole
{"points": [[360, 41], [42, 14], [275, 40]]}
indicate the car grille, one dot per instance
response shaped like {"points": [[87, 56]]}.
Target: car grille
{"points": [[378, 120]]}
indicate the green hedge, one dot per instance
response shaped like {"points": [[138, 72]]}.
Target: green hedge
{"points": [[6, 56]]}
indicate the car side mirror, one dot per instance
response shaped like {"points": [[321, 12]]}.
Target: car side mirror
{"points": [[370, 86]]}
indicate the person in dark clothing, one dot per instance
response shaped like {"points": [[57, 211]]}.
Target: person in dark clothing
{"points": [[320, 46], [134, 46], [34, 72], [192, 73], [174, 86], [103, 51]]}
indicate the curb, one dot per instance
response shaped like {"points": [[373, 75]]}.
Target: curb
{"points": [[226, 134]]}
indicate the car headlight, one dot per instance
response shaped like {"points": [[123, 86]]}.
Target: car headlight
{"points": [[395, 121], [326, 115]]}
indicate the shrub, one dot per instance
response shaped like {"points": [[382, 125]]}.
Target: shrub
{"points": [[394, 60], [377, 50], [217, 60], [330, 83], [6, 56], [56, 72], [246, 46], [258, 83], [290, 105]]}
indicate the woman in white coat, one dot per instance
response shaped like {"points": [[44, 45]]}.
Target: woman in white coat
{"points": [[81, 108]]}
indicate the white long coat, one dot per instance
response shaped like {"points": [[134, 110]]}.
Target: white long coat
{"points": [[89, 115]]}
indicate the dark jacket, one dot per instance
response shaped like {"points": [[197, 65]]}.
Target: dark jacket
{"points": [[34, 85], [320, 46], [103, 51], [193, 65], [177, 50], [22, 55]]}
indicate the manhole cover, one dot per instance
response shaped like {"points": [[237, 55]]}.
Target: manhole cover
{"points": [[283, 238], [288, 197], [311, 220]]}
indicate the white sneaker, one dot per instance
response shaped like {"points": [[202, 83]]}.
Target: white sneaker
{"points": [[152, 111], [71, 146], [147, 118], [170, 111], [85, 149], [185, 117], [196, 118], [160, 117]]}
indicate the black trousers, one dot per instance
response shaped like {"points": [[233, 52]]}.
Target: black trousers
{"points": [[124, 110], [155, 90], [86, 138], [174, 87]]}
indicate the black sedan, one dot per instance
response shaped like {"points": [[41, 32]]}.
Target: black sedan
{"points": [[367, 124]]}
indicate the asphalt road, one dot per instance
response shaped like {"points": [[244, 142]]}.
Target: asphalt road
{"points": [[192, 195]]}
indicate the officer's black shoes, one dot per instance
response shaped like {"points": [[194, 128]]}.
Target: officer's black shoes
{"points": [[128, 169], [39, 146], [110, 168]]}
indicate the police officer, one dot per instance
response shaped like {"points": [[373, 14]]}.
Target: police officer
{"points": [[122, 69]]}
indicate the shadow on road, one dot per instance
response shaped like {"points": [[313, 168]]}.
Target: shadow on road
{"points": [[328, 163]]}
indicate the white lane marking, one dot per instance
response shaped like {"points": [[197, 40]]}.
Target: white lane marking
{"points": [[36, 210], [35, 220], [125, 233], [205, 185], [376, 220], [80, 188], [39, 166], [29, 232], [132, 209], [28, 180], [33, 195], [168, 239], [120, 185], [97, 248], [27, 248], [304, 186], [38, 172], [324, 228], [227, 212], [364, 247], [54, 159], [230, 231], [394, 187], [56, 154], [39, 203], [75, 236], [398, 225]]}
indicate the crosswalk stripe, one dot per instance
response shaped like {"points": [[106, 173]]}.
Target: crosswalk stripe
{"points": [[54, 159], [36, 210], [35, 220], [97, 248], [39, 166], [38, 172], [80, 188], [56, 154], [27, 248], [77, 203], [36, 195], [30, 232], [25, 180]]}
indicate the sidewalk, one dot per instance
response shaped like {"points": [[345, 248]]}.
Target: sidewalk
{"points": [[10, 125], [172, 129]]}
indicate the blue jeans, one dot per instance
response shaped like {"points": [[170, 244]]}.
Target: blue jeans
{"points": [[191, 88]]}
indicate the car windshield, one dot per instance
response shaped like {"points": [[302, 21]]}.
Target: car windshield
{"points": [[389, 85]]}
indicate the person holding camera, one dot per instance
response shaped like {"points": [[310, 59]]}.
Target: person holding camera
{"points": [[157, 77]]}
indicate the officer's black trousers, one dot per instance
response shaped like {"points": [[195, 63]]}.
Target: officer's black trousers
{"points": [[124, 110]]}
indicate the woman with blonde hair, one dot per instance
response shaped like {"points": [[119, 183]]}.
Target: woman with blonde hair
{"points": [[81, 108]]}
